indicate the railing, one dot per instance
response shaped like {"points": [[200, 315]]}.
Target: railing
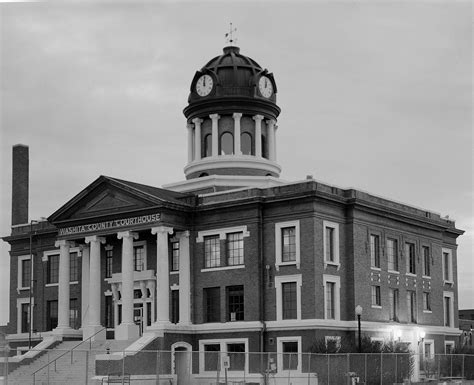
{"points": [[65, 353]]}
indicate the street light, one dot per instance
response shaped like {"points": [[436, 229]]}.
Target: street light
{"points": [[358, 311]]}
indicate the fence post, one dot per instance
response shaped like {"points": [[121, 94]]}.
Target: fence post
{"points": [[328, 369], [462, 370], [396, 367], [451, 365], [49, 360], [123, 362], [365, 367], [381, 368], [87, 366], [158, 362], [7, 354]]}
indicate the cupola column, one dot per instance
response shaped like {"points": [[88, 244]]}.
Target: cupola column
{"points": [[271, 139], [237, 116], [215, 134], [275, 127], [63, 286], [258, 135], [197, 138], [190, 142]]}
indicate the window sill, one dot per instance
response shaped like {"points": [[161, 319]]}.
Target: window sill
{"points": [[410, 275], [332, 263], [207, 269], [451, 283], [375, 268], [376, 306], [51, 284], [393, 272], [22, 288], [290, 263], [175, 272], [427, 311], [426, 277], [74, 282]]}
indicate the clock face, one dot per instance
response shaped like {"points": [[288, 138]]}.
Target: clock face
{"points": [[265, 87], [204, 85]]}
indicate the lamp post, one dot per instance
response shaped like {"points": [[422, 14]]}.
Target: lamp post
{"points": [[358, 311]]}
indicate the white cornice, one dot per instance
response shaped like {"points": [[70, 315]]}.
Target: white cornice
{"points": [[232, 161]]}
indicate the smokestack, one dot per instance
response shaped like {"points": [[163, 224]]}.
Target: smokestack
{"points": [[20, 178]]}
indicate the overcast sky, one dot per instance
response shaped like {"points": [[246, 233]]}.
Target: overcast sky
{"points": [[374, 95]]}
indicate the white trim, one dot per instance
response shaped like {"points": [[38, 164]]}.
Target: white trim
{"points": [[337, 299], [19, 302], [449, 343], [22, 258], [207, 269], [145, 252], [222, 232], [449, 252], [335, 227], [279, 303], [431, 344], [188, 348], [278, 245], [280, 341], [448, 294], [223, 351]]}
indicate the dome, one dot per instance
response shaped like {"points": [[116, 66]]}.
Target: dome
{"points": [[232, 79]]}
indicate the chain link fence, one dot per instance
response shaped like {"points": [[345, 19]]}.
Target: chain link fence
{"points": [[183, 367]]}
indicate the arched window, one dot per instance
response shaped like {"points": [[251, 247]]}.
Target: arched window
{"points": [[207, 145], [264, 147], [227, 144], [246, 143]]}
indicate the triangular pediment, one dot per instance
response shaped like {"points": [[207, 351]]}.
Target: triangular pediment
{"points": [[109, 196]]}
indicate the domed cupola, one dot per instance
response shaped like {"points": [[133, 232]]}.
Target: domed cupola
{"points": [[231, 118]]}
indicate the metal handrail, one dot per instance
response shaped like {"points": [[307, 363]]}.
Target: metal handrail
{"points": [[69, 351]]}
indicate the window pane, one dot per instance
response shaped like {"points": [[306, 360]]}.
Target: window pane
{"points": [[393, 299], [73, 267], [25, 272], [330, 314], [52, 309], [109, 309], [290, 355], [207, 146], [410, 255], [108, 263], [289, 300], [246, 143], [211, 357], [288, 247], [447, 311], [25, 317], [446, 266], [235, 301], [426, 301], [53, 269], [426, 261], [375, 250], [73, 314], [227, 144], [392, 254], [235, 249], [236, 354], [212, 251], [139, 258], [376, 296], [212, 298], [174, 306], [329, 244], [175, 256]]}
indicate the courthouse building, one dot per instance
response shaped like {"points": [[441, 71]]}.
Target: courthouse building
{"points": [[232, 259]]}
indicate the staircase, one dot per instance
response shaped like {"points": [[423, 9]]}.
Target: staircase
{"points": [[80, 372]]}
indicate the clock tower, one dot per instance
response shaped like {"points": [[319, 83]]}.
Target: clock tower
{"points": [[231, 122]]}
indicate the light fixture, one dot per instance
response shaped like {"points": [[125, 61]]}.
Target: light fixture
{"points": [[358, 311], [397, 334], [421, 334]]}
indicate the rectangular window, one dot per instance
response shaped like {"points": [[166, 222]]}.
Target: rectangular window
{"points": [[109, 255], [139, 258], [212, 304], [289, 300], [25, 272], [73, 267], [411, 304], [330, 244], [212, 251], [447, 266], [109, 312], [330, 313], [290, 355], [175, 256], [236, 354], [376, 300], [394, 300], [235, 303], [426, 301], [25, 317], [235, 249], [174, 306], [392, 254], [52, 311], [74, 314], [375, 250], [426, 261], [288, 244], [211, 357], [52, 274], [447, 311], [410, 256]]}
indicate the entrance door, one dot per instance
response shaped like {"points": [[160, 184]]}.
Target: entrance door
{"points": [[182, 362], [138, 316]]}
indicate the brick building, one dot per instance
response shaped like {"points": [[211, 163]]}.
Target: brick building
{"points": [[233, 259]]}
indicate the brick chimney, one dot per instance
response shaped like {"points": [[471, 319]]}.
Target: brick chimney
{"points": [[20, 181]]}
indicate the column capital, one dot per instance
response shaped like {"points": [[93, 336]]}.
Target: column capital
{"points": [[127, 234], [257, 118], [64, 242], [271, 122], [197, 121], [237, 115], [214, 116], [183, 234], [189, 126], [275, 127], [161, 229], [94, 238]]}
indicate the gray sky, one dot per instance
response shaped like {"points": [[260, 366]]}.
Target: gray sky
{"points": [[374, 95]]}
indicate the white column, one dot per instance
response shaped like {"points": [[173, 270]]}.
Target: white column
{"points": [[275, 127], [94, 289], [258, 135], [145, 309], [85, 287], [190, 142], [152, 287], [184, 279], [237, 116], [63, 287], [271, 139], [162, 274], [127, 329], [115, 299], [197, 138], [215, 134]]}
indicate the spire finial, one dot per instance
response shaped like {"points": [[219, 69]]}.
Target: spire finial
{"points": [[229, 36]]}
